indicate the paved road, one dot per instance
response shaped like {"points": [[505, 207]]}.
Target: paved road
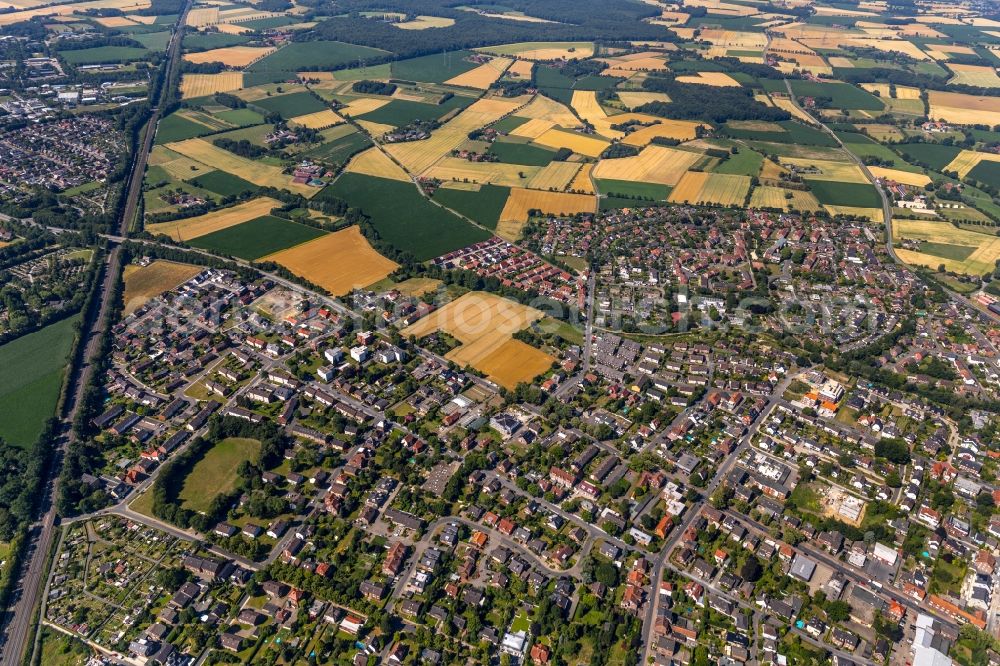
{"points": [[18, 619]]}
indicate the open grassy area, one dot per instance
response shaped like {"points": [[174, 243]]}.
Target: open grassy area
{"points": [[215, 473], [483, 206], [58, 649], [403, 217], [31, 374], [257, 238]]}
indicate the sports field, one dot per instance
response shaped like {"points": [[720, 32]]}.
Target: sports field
{"points": [[982, 259], [484, 324], [216, 473], [338, 262], [193, 227], [31, 375], [143, 283], [655, 164]]}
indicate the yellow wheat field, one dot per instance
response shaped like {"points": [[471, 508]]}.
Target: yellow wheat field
{"points": [[980, 76], [845, 172], [722, 189], [521, 201], [417, 156], [655, 164], [484, 324], [634, 98], [338, 262], [481, 77], [231, 56], [904, 177], [232, 28], [521, 69], [544, 108], [114, 21], [873, 214], [375, 129], [682, 130], [318, 120], [967, 160], [555, 175], [202, 16], [882, 89], [200, 85], [582, 182], [717, 79], [590, 146], [788, 105], [964, 109], [359, 107], [449, 169], [258, 173], [64, 11], [373, 162], [532, 129], [766, 196], [194, 227]]}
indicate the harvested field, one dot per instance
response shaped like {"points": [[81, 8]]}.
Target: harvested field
{"points": [[844, 172], [497, 173], [532, 129], [147, 282], [114, 21], [655, 164], [557, 175], [633, 98], [193, 227], [717, 79], [521, 69], [417, 156], [258, 173], [359, 107], [481, 77], [521, 201], [318, 120], [544, 108], [788, 105], [425, 22], [766, 196], [904, 177], [964, 109], [202, 16], [375, 129], [986, 247], [231, 56], [967, 160], [543, 50], [873, 214], [682, 130], [980, 76], [373, 162], [721, 189], [484, 323], [417, 286], [582, 182], [338, 262], [578, 143]]}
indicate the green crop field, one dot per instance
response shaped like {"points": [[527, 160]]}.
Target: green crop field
{"points": [[436, 68], [509, 124], [744, 163], [630, 190], [947, 250], [177, 128], [613, 202], [154, 41], [102, 54], [272, 22], [403, 217], [863, 146], [225, 184], [294, 104], [216, 473], [513, 152], [987, 172], [934, 155], [31, 374], [257, 238], [401, 112], [240, 117], [205, 41], [299, 56], [483, 206], [339, 151], [841, 95], [794, 132], [845, 194]]}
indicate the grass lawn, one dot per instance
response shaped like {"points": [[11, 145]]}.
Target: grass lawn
{"points": [[435, 68], [483, 206], [403, 217], [563, 329], [31, 375], [294, 104], [299, 56], [806, 498], [257, 238], [845, 194], [216, 472]]}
